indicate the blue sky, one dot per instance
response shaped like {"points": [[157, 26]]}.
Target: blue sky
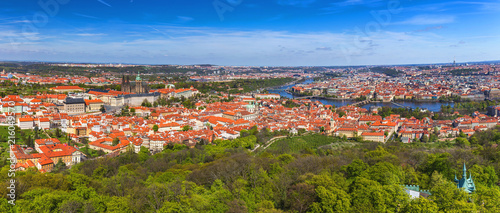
{"points": [[250, 32]]}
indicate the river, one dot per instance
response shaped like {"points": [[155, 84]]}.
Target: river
{"points": [[432, 106]]}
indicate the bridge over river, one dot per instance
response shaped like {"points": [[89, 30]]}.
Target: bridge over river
{"points": [[361, 103], [431, 106], [365, 102], [357, 104]]}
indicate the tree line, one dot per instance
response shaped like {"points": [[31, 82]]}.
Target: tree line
{"points": [[367, 177]]}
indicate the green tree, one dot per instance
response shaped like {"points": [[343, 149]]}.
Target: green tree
{"points": [[300, 196], [143, 154], [335, 200], [58, 133], [462, 135], [41, 200], [487, 199], [5, 206], [424, 139], [285, 158], [380, 155], [341, 113], [420, 205], [368, 196], [118, 204], [146, 103], [437, 162], [484, 175], [244, 133], [383, 172], [116, 141], [155, 128], [355, 168], [29, 142], [187, 128], [72, 204], [447, 196], [462, 142], [60, 166]]}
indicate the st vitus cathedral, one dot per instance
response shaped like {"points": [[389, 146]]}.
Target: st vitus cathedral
{"points": [[138, 88]]}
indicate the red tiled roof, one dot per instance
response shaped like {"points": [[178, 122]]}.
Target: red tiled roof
{"points": [[372, 134]]}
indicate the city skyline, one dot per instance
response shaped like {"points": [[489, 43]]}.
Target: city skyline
{"points": [[251, 33]]}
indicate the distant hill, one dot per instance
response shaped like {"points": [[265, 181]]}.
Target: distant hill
{"points": [[385, 70]]}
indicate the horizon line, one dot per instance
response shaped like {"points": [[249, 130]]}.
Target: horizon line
{"points": [[158, 64]]}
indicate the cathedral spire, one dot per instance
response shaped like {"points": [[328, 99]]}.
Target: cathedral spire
{"points": [[465, 172], [138, 78], [466, 183]]}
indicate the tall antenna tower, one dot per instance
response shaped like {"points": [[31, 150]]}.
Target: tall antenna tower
{"points": [[454, 62]]}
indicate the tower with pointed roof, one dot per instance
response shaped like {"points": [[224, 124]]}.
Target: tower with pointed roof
{"points": [[137, 87], [332, 124], [138, 84], [126, 84], [465, 183], [138, 78]]}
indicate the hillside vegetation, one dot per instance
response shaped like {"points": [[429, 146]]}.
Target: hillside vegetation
{"points": [[365, 177]]}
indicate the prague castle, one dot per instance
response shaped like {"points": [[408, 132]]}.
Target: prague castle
{"points": [[139, 87]]}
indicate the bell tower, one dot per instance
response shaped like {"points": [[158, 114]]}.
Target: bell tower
{"points": [[138, 84]]}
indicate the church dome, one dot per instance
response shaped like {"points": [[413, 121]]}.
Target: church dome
{"points": [[138, 78]]}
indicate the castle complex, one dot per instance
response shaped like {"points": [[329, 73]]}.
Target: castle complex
{"points": [[139, 87]]}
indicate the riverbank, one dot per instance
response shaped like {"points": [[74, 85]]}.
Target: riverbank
{"points": [[284, 85], [298, 95], [434, 106], [422, 101]]}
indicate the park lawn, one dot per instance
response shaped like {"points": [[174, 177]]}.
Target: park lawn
{"points": [[4, 134], [300, 143]]}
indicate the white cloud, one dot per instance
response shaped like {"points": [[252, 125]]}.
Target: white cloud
{"points": [[189, 45], [338, 6], [428, 20], [89, 34], [85, 16], [356, 2], [103, 2], [184, 19], [324, 48]]}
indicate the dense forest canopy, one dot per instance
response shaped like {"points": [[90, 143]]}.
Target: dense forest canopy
{"points": [[45, 69], [385, 70], [465, 71], [235, 86], [360, 177]]}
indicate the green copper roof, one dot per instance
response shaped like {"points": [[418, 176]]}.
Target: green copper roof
{"points": [[466, 183], [138, 78]]}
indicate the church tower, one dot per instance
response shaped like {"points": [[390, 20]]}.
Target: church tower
{"points": [[138, 84], [333, 125], [125, 84], [465, 183]]}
